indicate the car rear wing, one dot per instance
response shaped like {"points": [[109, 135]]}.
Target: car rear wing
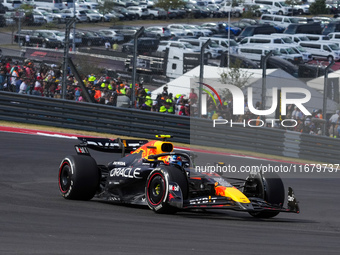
{"points": [[108, 145]]}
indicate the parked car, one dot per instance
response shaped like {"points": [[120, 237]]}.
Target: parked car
{"points": [[177, 13], [306, 55], [282, 21], [157, 31], [205, 32], [2, 9], [89, 38], [213, 50], [11, 5], [234, 30], [140, 13], [157, 13], [47, 16], [93, 16], [256, 29], [56, 14], [322, 49], [289, 53], [187, 30], [43, 39], [128, 15], [309, 28], [119, 3], [182, 46], [38, 18], [223, 42], [215, 10], [301, 9], [144, 45], [256, 53], [60, 36], [147, 3], [216, 28], [256, 9], [112, 36], [235, 9], [7, 19], [331, 27], [127, 31], [192, 11], [240, 24], [80, 14], [88, 3], [112, 15], [278, 28]]}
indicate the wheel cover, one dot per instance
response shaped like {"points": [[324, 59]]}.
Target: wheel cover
{"points": [[156, 189], [65, 177]]}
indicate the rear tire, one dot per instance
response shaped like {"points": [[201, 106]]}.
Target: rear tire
{"points": [[78, 177], [269, 188]]}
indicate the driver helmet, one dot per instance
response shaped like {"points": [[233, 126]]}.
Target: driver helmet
{"points": [[176, 160]]}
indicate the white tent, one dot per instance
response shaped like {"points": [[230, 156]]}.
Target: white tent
{"points": [[275, 78], [318, 83], [182, 84]]}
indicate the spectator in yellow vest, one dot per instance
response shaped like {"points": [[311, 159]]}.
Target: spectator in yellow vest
{"points": [[148, 102], [166, 108]]}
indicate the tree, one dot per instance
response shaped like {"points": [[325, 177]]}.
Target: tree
{"points": [[106, 6], [166, 4], [234, 76], [318, 7], [24, 15]]}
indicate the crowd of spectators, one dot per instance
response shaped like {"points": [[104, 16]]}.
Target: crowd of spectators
{"points": [[45, 80]]}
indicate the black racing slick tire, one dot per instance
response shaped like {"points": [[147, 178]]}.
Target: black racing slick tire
{"points": [[157, 188], [271, 189], [78, 177]]}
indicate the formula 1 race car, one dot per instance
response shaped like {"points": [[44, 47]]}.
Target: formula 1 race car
{"points": [[155, 174]]}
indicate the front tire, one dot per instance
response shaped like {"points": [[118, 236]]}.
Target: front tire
{"points": [[268, 187], [78, 177], [157, 188]]}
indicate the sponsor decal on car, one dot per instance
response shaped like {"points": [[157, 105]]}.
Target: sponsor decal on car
{"points": [[127, 172], [202, 200], [118, 163], [173, 187]]}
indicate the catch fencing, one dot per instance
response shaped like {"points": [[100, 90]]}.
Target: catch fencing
{"points": [[145, 124]]}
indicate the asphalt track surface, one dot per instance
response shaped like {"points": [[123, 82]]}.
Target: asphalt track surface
{"points": [[35, 219]]}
